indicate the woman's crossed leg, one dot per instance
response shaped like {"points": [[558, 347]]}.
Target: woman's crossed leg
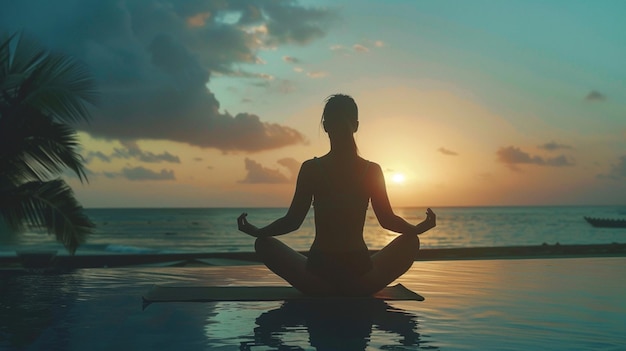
{"points": [[389, 264]]}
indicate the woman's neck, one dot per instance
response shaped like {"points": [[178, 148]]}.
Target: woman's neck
{"points": [[342, 151]]}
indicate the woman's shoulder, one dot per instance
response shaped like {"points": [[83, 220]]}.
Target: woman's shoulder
{"points": [[310, 161], [371, 164], [310, 165], [373, 171], [315, 160]]}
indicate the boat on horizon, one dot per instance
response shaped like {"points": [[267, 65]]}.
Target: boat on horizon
{"points": [[606, 222]]}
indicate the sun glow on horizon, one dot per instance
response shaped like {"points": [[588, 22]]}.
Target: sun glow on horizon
{"points": [[398, 178]]}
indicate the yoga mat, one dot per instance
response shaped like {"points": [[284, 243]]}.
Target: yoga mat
{"points": [[258, 293]]}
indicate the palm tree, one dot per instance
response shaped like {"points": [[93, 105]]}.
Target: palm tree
{"points": [[41, 93]]}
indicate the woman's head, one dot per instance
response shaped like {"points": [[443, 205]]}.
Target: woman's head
{"points": [[340, 120], [341, 115]]}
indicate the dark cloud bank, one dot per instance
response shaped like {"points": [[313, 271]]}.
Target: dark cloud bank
{"points": [[154, 59]]}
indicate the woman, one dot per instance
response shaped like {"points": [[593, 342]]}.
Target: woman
{"points": [[340, 184]]}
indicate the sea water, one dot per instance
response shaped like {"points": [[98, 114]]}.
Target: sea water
{"points": [[174, 230]]}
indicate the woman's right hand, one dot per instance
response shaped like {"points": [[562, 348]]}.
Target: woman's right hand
{"points": [[429, 223], [246, 227]]}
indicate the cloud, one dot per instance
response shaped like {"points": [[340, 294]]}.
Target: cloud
{"points": [[311, 74], [141, 173], [617, 170], [367, 45], [97, 154], [595, 96], [288, 23], [342, 49], [317, 74], [154, 59], [552, 146], [258, 174], [447, 152], [284, 86], [292, 165], [558, 161], [512, 156], [132, 150], [291, 59], [360, 48]]}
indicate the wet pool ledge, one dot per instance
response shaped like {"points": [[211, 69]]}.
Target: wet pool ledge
{"points": [[64, 261]]}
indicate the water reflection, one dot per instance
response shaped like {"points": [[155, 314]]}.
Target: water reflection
{"points": [[337, 325], [33, 303]]}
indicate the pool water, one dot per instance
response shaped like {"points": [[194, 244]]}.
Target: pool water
{"points": [[542, 304]]}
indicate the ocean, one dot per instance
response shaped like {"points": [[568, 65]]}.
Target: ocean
{"points": [[189, 230]]}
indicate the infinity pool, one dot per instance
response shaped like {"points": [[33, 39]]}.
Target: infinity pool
{"points": [[539, 304]]}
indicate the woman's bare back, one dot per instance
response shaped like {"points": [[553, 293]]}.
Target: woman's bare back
{"points": [[341, 196]]}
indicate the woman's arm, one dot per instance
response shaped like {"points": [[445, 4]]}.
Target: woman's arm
{"points": [[300, 205], [384, 213]]}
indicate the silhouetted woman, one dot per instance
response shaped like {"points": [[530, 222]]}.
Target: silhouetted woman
{"points": [[340, 184]]}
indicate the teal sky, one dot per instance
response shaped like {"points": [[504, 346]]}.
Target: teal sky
{"points": [[544, 53]]}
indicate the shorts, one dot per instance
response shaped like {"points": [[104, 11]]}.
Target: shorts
{"points": [[339, 267]]}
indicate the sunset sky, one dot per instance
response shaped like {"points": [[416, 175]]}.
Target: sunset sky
{"points": [[463, 103]]}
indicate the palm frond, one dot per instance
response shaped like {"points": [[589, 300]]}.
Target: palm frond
{"points": [[54, 83], [20, 56], [49, 205], [5, 41], [63, 88], [40, 149], [40, 92], [26, 55]]}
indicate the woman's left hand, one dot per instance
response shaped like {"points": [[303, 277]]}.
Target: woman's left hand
{"points": [[429, 223], [246, 227]]}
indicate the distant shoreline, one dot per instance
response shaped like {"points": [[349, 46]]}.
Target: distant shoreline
{"points": [[63, 262], [286, 208]]}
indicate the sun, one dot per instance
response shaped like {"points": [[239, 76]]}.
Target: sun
{"points": [[398, 178]]}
